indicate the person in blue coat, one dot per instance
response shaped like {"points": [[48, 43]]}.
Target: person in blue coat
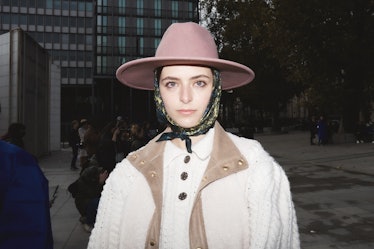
{"points": [[24, 201]]}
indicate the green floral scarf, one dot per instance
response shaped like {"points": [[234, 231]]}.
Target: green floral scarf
{"points": [[206, 122]]}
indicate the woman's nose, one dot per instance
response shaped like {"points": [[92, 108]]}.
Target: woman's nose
{"points": [[186, 94]]}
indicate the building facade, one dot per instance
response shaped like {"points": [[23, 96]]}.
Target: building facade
{"points": [[29, 91], [89, 40]]}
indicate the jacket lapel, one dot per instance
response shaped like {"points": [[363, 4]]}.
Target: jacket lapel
{"points": [[150, 163], [225, 160]]}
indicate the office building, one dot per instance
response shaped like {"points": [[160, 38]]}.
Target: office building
{"points": [[89, 40], [29, 92]]}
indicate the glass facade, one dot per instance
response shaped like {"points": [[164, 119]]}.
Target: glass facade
{"points": [[64, 28], [90, 39]]}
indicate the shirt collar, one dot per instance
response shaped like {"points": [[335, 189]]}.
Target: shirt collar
{"points": [[201, 149]]}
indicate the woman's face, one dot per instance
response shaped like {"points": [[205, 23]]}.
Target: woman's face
{"points": [[185, 92]]}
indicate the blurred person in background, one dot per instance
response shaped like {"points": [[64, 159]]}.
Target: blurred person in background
{"points": [[24, 201]]}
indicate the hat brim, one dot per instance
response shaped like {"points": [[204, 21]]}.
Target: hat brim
{"points": [[139, 73]]}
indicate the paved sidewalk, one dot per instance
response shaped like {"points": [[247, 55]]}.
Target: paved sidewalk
{"points": [[68, 232], [332, 188]]}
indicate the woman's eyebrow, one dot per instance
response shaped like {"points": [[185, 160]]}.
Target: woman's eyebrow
{"points": [[169, 78], [200, 76], [192, 78]]}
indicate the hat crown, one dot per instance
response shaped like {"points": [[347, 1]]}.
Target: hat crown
{"points": [[187, 40]]}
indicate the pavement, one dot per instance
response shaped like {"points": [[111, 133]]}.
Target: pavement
{"points": [[332, 188]]}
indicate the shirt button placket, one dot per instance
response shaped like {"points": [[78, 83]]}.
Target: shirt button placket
{"points": [[182, 196]]}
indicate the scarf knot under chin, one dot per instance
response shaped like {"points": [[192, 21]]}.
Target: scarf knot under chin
{"points": [[172, 135], [206, 122]]}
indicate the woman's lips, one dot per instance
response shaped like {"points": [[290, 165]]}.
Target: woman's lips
{"points": [[186, 112]]}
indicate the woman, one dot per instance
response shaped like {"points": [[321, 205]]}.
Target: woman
{"points": [[194, 185]]}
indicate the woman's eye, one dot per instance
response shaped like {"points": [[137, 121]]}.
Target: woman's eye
{"points": [[170, 84], [200, 83]]}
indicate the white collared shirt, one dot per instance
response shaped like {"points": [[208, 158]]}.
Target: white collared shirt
{"points": [[182, 176]]}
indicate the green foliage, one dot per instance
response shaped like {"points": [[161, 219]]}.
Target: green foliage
{"points": [[323, 48]]}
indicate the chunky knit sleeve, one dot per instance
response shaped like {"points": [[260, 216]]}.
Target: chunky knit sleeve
{"points": [[272, 216], [106, 233]]}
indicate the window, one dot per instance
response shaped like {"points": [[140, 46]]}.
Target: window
{"points": [[23, 3], [65, 21], [140, 45], [139, 7], [48, 20], [40, 20], [72, 38], [174, 9], [88, 56], [65, 38], [80, 72], [89, 6], [72, 56], [57, 21], [31, 3], [80, 56], [80, 38], [88, 72], [64, 55], [121, 6], [31, 19], [88, 40], [40, 3], [80, 22], [102, 23], [72, 72], [5, 18], [98, 64], [122, 44], [72, 22], [88, 23], [57, 4], [23, 19], [64, 72], [139, 26], [56, 55], [190, 10], [49, 4], [48, 37], [81, 6], [157, 27], [121, 24], [102, 3], [157, 7], [15, 19], [65, 4], [55, 38], [102, 42], [73, 5]]}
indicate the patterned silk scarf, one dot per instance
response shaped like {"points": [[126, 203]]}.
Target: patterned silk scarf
{"points": [[206, 122]]}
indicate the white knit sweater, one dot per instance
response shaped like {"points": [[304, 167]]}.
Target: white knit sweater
{"points": [[249, 209]]}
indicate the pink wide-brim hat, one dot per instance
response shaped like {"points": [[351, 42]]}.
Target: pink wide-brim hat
{"points": [[184, 44]]}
